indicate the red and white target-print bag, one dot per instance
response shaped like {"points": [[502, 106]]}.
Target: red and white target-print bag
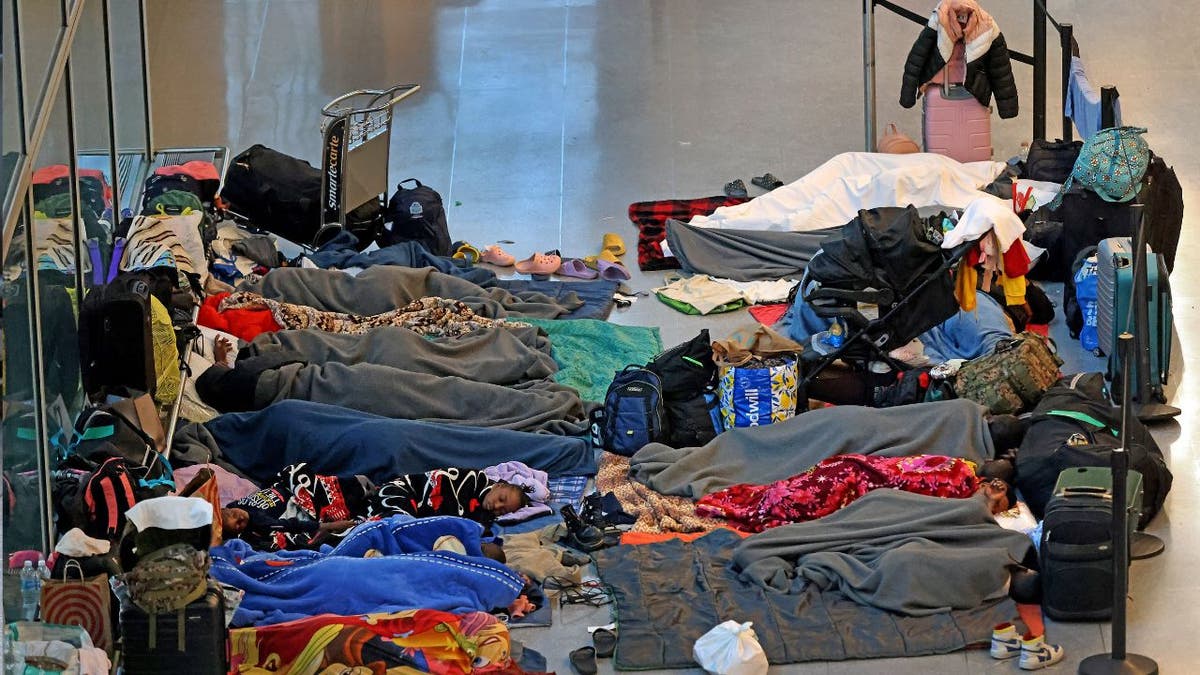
{"points": [[80, 602]]}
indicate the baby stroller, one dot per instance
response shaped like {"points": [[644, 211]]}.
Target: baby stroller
{"points": [[890, 258]]}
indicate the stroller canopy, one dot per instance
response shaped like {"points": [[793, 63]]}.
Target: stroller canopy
{"points": [[881, 248], [888, 250]]}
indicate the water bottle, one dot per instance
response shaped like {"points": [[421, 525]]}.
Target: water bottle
{"points": [[43, 570], [31, 587], [1086, 294]]}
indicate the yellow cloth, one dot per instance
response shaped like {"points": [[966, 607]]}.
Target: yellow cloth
{"points": [[965, 283], [1014, 289]]}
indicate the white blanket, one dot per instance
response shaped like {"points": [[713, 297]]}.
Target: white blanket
{"points": [[832, 194]]}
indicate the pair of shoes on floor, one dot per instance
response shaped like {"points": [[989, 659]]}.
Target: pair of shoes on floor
{"points": [[606, 265], [493, 255], [583, 660], [737, 188], [1035, 652]]}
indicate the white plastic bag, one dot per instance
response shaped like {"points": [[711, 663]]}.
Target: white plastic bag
{"points": [[730, 649]]}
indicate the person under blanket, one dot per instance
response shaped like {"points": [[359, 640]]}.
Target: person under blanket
{"points": [[465, 493], [299, 510], [836, 482]]}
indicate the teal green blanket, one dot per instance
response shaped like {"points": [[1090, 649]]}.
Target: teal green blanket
{"points": [[590, 352]]}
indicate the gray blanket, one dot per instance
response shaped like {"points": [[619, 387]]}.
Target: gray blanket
{"points": [[384, 288], [760, 455], [503, 355], [893, 550], [662, 611], [744, 255], [540, 406]]}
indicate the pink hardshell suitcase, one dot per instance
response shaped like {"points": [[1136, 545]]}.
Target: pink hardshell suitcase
{"points": [[955, 124]]}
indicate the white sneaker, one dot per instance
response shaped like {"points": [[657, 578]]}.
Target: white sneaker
{"points": [[1036, 653], [1006, 643]]}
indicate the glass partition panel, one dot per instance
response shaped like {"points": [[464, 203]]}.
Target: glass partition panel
{"points": [[94, 133], [129, 90], [40, 22], [11, 128]]}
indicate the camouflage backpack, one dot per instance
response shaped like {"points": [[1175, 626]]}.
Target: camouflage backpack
{"points": [[1013, 377], [168, 580]]}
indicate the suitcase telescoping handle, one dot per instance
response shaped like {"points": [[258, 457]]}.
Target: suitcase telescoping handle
{"points": [[1086, 491]]}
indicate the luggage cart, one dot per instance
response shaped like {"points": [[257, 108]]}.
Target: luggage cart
{"points": [[357, 132]]}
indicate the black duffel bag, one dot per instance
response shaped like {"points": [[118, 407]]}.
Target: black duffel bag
{"points": [[1074, 425], [275, 192]]}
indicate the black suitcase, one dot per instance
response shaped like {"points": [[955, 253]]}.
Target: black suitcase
{"points": [[1074, 425], [204, 639], [275, 192], [116, 341], [1076, 551], [1163, 196], [1087, 220]]}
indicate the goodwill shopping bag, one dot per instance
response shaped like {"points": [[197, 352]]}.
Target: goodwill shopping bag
{"points": [[80, 602], [758, 392]]}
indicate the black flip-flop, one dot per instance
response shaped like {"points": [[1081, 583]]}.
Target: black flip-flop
{"points": [[736, 188], [583, 660], [767, 181], [605, 641]]}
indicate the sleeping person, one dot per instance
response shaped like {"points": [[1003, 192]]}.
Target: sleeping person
{"points": [[465, 493], [299, 510], [836, 482]]}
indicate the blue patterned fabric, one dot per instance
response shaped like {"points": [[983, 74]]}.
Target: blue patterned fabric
{"points": [[1112, 164]]}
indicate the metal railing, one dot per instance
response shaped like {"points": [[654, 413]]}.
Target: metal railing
{"points": [[1037, 60]]}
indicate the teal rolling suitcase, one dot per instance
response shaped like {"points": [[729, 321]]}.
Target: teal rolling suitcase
{"points": [[1114, 290]]}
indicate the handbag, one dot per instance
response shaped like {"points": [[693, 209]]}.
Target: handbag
{"points": [[1013, 377], [1051, 160], [80, 602]]}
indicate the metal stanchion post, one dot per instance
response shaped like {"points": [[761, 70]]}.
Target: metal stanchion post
{"points": [[869, 72], [1118, 661]]}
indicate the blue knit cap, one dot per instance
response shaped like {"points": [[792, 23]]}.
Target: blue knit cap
{"points": [[1112, 164]]}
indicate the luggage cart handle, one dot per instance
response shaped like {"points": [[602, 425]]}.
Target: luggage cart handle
{"points": [[397, 93]]}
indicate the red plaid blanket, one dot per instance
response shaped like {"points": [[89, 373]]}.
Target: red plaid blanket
{"points": [[651, 221]]}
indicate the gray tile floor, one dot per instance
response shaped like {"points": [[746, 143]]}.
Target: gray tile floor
{"points": [[541, 120]]}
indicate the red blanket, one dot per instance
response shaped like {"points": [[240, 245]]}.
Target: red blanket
{"points": [[651, 221]]}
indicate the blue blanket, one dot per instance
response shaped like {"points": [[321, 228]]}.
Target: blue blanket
{"points": [[341, 253], [597, 295], [345, 442], [286, 586]]}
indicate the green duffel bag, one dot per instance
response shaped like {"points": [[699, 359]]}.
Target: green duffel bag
{"points": [[1013, 377]]}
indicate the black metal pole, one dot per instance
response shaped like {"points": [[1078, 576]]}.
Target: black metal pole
{"points": [[1119, 660], [1120, 508], [1108, 101], [1039, 71], [1066, 33]]}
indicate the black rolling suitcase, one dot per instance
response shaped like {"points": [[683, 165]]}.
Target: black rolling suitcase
{"points": [[1076, 551], [190, 642], [116, 340], [1087, 220]]}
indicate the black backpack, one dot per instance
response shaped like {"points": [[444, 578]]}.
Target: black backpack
{"points": [[275, 192], [632, 416], [686, 373], [1074, 425], [108, 492], [158, 184], [417, 214]]}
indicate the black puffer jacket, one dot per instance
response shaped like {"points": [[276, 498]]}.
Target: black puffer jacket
{"points": [[988, 74]]}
